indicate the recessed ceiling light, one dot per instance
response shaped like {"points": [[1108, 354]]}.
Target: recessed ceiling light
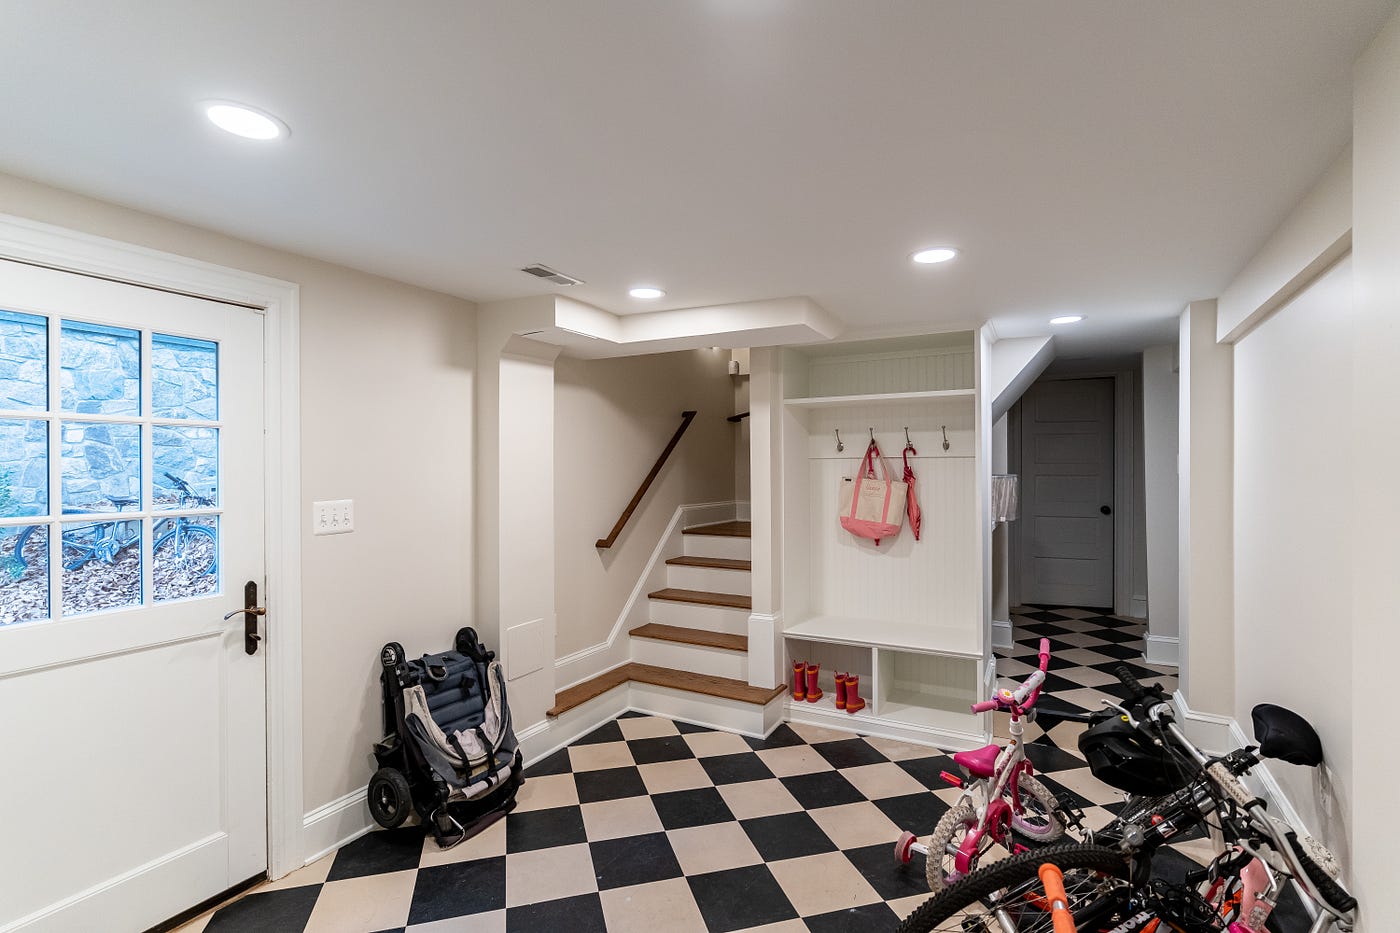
{"points": [[646, 291], [1067, 319], [936, 254], [242, 120]]}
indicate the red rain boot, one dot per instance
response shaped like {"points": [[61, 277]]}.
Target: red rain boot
{"points": [[799, 671], [840, 691], [853, 701], [814, 693]]}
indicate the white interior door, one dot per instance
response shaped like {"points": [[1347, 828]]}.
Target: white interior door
{"points": [[1067, 482], [132, 721]]}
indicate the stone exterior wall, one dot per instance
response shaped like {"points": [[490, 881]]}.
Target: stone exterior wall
{"points": [[101, 374]]}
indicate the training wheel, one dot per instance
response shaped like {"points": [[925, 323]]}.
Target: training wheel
{"points": [[904, 848]]}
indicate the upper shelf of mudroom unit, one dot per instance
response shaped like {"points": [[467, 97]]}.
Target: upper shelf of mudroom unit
{"points": [[881, 398], [899, 636]]}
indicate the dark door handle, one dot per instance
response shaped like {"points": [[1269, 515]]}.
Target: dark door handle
{"points": [[250, 612], [1105, 510]]}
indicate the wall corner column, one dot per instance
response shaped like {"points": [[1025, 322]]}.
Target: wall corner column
{"points": [[1205, 513], [765, 479], [515, 502]]}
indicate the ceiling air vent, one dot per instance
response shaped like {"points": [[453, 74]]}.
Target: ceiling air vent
{"points": [[550, 275]]}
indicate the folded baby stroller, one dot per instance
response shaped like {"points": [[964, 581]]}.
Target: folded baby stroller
{"points": [[449, 750]]}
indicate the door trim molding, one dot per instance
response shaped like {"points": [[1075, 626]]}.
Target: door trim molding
{"points": [[54, 247]]}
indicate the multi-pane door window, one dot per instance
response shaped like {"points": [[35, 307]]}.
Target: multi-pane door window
{"points": [[109, 467]]}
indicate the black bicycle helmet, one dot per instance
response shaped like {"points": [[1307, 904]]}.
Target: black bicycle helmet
{"points": [[1123, 757]]}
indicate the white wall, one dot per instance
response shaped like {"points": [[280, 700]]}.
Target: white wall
{"points": [[1293, 547], [386, 412], [612, 419], [1375, 432], [1159, 435]]}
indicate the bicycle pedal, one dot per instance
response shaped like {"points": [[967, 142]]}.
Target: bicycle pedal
{"points": [[1017, 849]]}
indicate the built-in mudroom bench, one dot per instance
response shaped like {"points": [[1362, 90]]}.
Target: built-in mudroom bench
{"points": [[907, 616]]}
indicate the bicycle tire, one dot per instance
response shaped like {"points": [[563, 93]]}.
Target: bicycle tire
{"points": [[951, 830], [192, 531], [1054, 829], [18, 565], [1084, 866]]}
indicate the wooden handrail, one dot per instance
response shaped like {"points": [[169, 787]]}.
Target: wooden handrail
{"points": [[603, 543]]}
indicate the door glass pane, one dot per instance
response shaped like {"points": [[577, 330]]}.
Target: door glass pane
{"points": [[24, 353], [186, 468], [101, 565], [101, 467], [186, 561], [101, 369], [24, 574], [24, 468], [185, 378]]}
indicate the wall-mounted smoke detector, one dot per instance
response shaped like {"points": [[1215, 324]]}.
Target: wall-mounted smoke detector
{"points": [[541, 271]]}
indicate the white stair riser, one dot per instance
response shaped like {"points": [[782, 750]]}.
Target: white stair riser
{"points": [[705, 618], [709, 579], [698, 708], [697, 659], [717, 546]]}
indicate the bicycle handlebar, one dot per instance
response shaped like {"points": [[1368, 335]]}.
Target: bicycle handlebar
{"points": [[1023, 696], [1054, 881]]}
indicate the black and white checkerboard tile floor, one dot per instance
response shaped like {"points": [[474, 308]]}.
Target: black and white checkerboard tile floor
{"points": [[648, 824]]}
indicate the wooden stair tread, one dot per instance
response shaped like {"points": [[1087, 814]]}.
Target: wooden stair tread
{"points": [[579, 694], [722, 687], [714, 563], [702, 598], [723, 529], [691, 636]]}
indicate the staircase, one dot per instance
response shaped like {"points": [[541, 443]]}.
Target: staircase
{"points": [[691, 660]]}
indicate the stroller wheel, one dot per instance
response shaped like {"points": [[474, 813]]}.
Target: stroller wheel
{"points": [[390, 801]]}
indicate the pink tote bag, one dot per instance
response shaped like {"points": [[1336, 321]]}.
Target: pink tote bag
{"points": [[872, 506]]}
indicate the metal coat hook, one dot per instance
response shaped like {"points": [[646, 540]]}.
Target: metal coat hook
{"points": [[907, 441], [945, 437], [872, 434], [839, 446]]}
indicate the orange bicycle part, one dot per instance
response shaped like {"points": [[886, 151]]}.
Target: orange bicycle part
{"points": [[1058, 901]]}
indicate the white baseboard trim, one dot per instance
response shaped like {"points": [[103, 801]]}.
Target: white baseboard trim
{"points": [[1220, 734], [1001, 633], [943, 739], [1162, 650], [334, 824]]}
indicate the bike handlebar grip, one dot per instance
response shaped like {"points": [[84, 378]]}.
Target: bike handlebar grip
{"points": [[1326, 885], [984, 707], [1138, 691], [1044, 654], [1054, 882]]}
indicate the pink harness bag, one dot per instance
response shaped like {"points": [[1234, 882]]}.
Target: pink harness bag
{"points": [[916, 515], [871, 506]]}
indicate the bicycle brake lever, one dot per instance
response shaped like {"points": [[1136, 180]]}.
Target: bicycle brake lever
{"points": [[1122, 712]]}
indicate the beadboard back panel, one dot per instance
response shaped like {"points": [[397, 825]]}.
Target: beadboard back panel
{"points": [[928, 680], [931, 581], [916, 371]]}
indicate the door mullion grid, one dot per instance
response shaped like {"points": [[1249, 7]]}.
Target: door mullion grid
{"points": [[55, 540], [148, 480]]}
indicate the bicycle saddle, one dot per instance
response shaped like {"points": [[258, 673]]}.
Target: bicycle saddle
{"points": [[980, 763], [1285, 735], [121, 502]]}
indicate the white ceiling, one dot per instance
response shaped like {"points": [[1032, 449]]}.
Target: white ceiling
{"points": [[1110, 159]]}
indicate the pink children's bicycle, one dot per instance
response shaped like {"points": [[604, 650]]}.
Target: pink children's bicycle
{"points": [[998, 795]]}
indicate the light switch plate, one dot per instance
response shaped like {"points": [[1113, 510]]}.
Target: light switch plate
{"points": [[333, 517]]}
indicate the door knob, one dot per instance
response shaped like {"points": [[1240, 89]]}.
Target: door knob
{"points": [[1105, 510]]}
